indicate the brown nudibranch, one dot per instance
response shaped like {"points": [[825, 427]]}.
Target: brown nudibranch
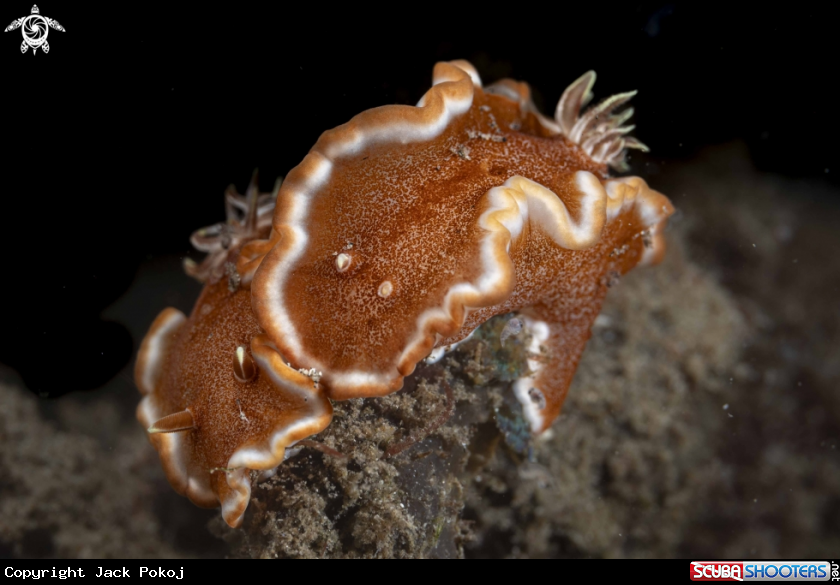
{"points": [[397, 235]]}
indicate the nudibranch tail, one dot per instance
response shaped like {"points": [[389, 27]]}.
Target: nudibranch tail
{"points": [[560, 327]]}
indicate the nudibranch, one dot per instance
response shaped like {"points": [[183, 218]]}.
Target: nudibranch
{"points": [[398, 235]]}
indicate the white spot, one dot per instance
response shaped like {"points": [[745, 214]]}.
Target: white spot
{"points": [[342, 262], [602, 321], [385, 289]]}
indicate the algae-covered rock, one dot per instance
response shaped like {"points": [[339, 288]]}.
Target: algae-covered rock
{"points": [[389, 477]]}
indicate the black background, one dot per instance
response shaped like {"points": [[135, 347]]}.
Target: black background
{"points": [[120, 142]]}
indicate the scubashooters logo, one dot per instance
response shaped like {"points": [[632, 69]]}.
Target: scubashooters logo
{"points": [[35, 29], [763, 571]]}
